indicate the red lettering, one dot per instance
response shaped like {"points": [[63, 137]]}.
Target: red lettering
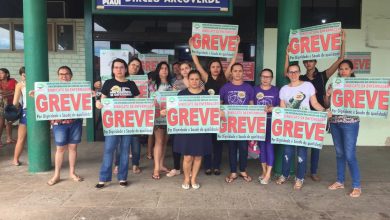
{"points": [[86, 102], [183, 117], [294, 46], [337, 98], [277, 127], [314, 43], [65, 102], [206, 41], [172, 118], [325, 42], [241, 124], [288, 126], [41, 103], [298, 129], [54, 102], [119, 119], [305, 44], [336, 41], [214, 41], [383, 100], [193, 116], [309, 131], [197, 41], [223, 127], [359, 98], [232, 41], [232, 121], [320, 131], [107, 119]]}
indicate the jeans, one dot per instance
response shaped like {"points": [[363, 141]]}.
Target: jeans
{"points": [[110, 145], [65, 134], [135, 151], [344, 139], [213, 161], [314, 159], [242, 147], [288, 155]]}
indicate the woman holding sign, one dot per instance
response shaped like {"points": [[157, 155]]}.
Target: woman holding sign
{"points": [[237, 92], [163, 83], [297, 95], [214, 78], [117, 87], [345, 130], [268, 95]]}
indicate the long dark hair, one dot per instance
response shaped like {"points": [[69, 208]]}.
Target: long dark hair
{"points": [[350, 64], [118, 60], [141, 70], [158, 79], [6, 71], [221, 79]]}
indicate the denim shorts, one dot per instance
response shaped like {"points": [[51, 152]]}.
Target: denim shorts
{"points": [[65, 134], [23, 117]]}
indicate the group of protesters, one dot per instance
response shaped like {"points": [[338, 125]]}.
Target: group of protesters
{"points": [[305, 91]]}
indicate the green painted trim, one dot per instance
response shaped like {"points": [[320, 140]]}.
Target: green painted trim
{"points": [[88, 35], [37, 69], [259, 39], [160, 12]]}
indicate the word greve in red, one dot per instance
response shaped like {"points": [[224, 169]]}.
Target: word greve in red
{"points": [[298, 129], [63, 102], [242, 124], [128, 118], [193, 116], [214, 42], [361, 99], [315, 43]]}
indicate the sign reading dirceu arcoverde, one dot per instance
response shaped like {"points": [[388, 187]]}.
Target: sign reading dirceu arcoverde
{"points": [[183, 5]]}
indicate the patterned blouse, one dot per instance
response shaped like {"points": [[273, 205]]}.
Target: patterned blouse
{"points": [[344, 119]]}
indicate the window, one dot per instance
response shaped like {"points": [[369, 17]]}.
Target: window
{"points": [[18, 37], [65, 37], [5, 37]]}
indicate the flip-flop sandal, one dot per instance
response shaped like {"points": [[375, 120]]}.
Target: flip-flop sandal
{"points": [[156, 177], [356, 192], [52, 182], [17, 164], [165, 170], [136, 170], [336, 185], [77, 178], [246, 177], [230, 178]]}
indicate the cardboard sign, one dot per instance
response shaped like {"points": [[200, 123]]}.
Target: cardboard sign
{"points": [[243, 122], [367, 97], [298, 127], [361, 61], [193, 114], [124, 116], [142, 83], [160, 101], [150, 61], [316, 42], [62, 100], [214, 40], [249, 70], [106, 58]]}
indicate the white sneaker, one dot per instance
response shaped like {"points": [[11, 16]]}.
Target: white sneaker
{"points": [[173, 173]]}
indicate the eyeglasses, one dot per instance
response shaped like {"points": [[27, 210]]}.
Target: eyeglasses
{"points": [[266, 77], [64, 74], [293, 72]]}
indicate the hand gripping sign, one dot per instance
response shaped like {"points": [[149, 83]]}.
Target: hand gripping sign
{"points": [[127, 116], [243, 122], [316, 42], [298, 127], [214, 40], [160, 102], [62, 100], [193, 114], [367, 97]]}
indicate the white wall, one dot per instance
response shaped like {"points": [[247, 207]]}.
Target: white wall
{"points": [[374, 37]]}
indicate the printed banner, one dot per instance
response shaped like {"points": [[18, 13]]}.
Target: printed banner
{"points": [[106, 58], [298, 127], [150, 61], [124, 116], [367, 97], [62, 100], [249, 70], [142, 83], [182, 5], [361, 61], [160, 101], [214, 40], [243, 122], [316, 42], [193, 114]]}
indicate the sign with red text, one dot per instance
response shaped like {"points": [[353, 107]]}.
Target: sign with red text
{"points": [[62, 100], [214, 40], [316, 42], [242, 122], [298, 127], [367, 97], [125, 116], [361, 61], [193, 114], [160, 102], [150, 61], [106, 58], [249, 70], [141, 81]]}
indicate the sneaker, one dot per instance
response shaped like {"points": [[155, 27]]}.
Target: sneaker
{"points": [[173, 173], [123, 183], [100, 185]]}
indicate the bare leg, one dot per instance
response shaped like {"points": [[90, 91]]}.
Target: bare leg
{"points": [[2, 121], [8, 129], [195, 169], [187, 165], [72, 162], [22, 134], [149, 151], [165, 141], [59, 157], [264, 167], [158, 147], [268, 173]]}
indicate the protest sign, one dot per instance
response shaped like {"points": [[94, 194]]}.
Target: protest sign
{"points": [[298, 127], [193, 114], [316, 42], [361, 61], [150, 61], [62, 100], [243, 122], [142, 83], [214, 40], [160, 101], [106, 58], [124, 116], [368, 97], [249, 70]]}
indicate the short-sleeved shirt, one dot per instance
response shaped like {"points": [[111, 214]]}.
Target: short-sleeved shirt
{"points": [[297, 97], [115, 89], [319, 82], [268, 97], [236, 94], [212, 86], [9, 86]]}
